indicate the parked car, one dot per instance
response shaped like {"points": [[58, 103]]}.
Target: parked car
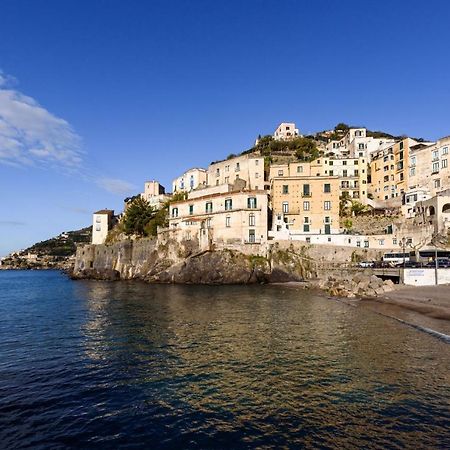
{"points": [[366, 264]]}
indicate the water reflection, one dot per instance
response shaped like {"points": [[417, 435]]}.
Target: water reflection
{"points": [[268, 365]]}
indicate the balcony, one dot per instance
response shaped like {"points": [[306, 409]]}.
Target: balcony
{"points": [[306, 194]]}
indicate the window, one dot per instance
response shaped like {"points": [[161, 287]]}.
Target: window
{"points": [[98, 227], [191, 209], [174, 212], [366, 244], [445, 151], [327, 219], [412, 171], [401, 145], [256, 162], [299, 169], [413, 160], [344, 173], [444, 163], [435, 155], [208, 222], [305, 206], [394, 241], [331, 173], [285, 207], [285, 189], [98, 219], [356, 173], [400, 156], [381, 241], [217, 182], [238, 167], [251, 202], [306, 219], [256, 175], [217, 172], [227, 180], [327, 205], [344, 163], [361, 146], [437, 183], [306, 228], [251, 236], [251, 220], [306, 190], [228, 204], [327, 187], [358, 243], [209, 207], [228, 221], [435, 168], [308, 240], [227, 168], [280, 173], [331, 163]]}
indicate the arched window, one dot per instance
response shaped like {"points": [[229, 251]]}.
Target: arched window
{"points": [[446, 208], [432, 211]]}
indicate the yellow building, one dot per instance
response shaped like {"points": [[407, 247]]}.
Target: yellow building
{"points": [[305, 204], [389, 172], [352, 173]]}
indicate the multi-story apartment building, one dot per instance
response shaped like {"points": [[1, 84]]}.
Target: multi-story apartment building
{"points": [[429, 166], [352, 173], [154, 193], [355, 143], [249, 168], [305, 204], [102, 222], [389, 172], [190, 180], [434, 211], [221, 215], [286, 131]]}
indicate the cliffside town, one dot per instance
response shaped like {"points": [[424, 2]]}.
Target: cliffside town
{"points": [[343, 188]]}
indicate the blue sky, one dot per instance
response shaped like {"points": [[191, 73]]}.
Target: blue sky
{"points": [[98, 96]]}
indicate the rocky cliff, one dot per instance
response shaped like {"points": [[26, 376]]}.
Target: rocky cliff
{"points": [[173, 262]]}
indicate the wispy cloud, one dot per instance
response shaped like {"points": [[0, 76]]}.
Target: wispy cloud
{"points": [[116, 186], [31, 135], [9, 223]]}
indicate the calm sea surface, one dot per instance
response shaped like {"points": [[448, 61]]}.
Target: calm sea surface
{"points": [[105, 365]]}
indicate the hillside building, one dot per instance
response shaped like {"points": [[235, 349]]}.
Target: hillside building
{"points": [[249, 168], [305, 205], [102, 222], [190, 180], [155, 194], [389, 173], [286, 131], [352, 173], [221, 215]]}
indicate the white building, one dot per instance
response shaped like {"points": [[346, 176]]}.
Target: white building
{"points": [[286, 131], [190, 180], [356, 144], [221, 215], [155, 194], [102, 222]]}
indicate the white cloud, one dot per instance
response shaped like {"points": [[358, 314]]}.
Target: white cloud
{"points": [[116, 186], [31, 135]]}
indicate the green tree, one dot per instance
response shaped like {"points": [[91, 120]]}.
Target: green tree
{"points": [[136, 217], [305, 149], [358, 208]]}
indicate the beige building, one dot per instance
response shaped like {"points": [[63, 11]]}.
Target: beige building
{"points": [[102, 222], [249, 168], [190, 180], [154, 193], [286, 131], [389, 173], [305, 204], [429, 166], [434, 211], [352, 173], [222, 216]]}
